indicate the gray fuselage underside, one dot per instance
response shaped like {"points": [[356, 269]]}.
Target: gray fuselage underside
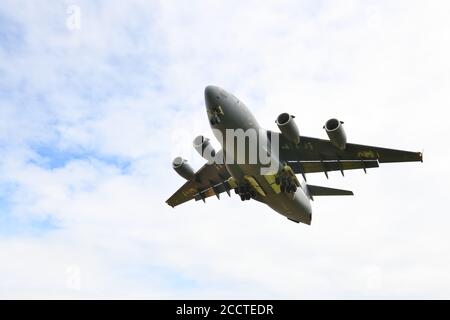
{"points": [[295, 206]]}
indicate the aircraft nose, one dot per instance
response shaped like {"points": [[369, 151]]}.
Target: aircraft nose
{"points": [[211, 96], [215, 104]]}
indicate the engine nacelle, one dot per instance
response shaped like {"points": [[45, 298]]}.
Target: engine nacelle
{"points": [[181, 167], [288, 128], [336, 133], [204, 148]]}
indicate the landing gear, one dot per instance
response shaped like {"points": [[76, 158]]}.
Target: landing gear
{"points": [[216, 115], [293, 188], [288, 186], [245, 192], [214, 120], [287, 180]]}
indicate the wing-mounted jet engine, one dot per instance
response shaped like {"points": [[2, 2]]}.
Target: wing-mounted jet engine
{"points": [[286, 178], [181, 167], [336, 133], [288, 128], [204, 148]]}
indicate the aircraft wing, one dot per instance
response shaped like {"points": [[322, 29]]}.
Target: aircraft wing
{"points": [[210, 180], [319, 155]]}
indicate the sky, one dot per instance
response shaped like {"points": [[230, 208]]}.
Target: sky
{"points": [[97, 98]]}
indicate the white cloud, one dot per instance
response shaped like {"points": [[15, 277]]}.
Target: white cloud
{"points": [[129, 86]]}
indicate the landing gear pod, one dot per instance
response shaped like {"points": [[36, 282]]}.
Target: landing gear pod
{"points": [[336, 133], [181, 167], [288, 128]]}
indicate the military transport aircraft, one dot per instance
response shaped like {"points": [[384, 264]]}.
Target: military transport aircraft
{"points": [[288, 152]]}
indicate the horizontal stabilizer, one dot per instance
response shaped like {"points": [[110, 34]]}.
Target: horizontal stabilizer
{"points": [[324, 191]]}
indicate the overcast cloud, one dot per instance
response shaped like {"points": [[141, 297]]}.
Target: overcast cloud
{"points": [[93, 110]]}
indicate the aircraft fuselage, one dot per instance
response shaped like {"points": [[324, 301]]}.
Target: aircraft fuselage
{"points": [[234, 115]]}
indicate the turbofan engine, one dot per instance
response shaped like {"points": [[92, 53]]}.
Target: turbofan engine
{"points": [[181, 167], [204, 148], [336, 133], [288, 128]]}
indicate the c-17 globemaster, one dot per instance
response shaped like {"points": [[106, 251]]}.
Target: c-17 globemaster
{"points": [[262, 165]]}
